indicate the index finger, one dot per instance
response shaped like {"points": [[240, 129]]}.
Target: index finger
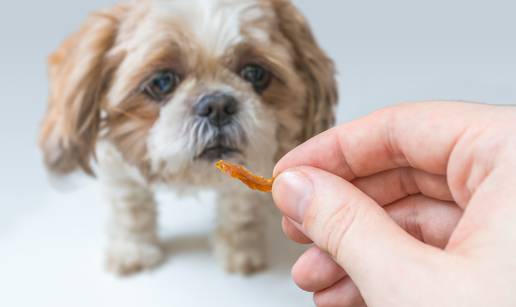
{"points": [[418, 135]]}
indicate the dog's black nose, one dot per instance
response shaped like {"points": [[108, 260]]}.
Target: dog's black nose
{"points": [[218, 108]]}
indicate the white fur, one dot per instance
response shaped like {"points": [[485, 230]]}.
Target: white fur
{"points": [[124, 48], [214, 26], [240, 238], [167, 140], [170, 146], [133, 242]]}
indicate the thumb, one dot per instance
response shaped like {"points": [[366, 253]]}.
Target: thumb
{"points": [[350, 226]]}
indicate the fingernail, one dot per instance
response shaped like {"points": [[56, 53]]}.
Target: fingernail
{"points": [[292, 193]]}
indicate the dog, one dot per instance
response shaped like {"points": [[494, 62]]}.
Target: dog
{"points": [[151, 93]]}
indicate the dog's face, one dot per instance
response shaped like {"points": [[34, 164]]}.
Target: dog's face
{"points": [[178, 84]]}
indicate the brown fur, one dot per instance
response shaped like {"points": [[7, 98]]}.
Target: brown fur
{"points": [[314, 67], [79, 76], [127, 127]]}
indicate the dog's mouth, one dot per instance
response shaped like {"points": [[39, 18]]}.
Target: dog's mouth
{"points": [[218, 143], [217, 152]]}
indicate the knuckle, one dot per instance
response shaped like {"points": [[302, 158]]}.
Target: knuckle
{"points": [[407, 182], [338, 226]]}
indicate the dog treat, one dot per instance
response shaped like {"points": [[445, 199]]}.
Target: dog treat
{"points": [[241, 173]]}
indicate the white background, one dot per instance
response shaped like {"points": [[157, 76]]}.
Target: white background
{"points": [[51, 242]]}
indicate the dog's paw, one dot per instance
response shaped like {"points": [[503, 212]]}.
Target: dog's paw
{"points": [[127, 257], [245, 261]]}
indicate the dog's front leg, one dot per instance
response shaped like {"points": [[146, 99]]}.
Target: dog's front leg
{"points": [[133, 242], [240, 237]]}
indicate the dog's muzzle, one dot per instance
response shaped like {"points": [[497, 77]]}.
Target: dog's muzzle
{"points": [[217, 108], [219, 113]]}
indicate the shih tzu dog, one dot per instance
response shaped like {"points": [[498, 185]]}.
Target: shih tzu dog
{"points": [[152, 92]]}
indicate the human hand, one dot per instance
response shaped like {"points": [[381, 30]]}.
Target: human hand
{"points": [[414, 205]]}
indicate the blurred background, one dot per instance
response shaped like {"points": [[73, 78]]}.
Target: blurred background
{"points": [[51, 242]]}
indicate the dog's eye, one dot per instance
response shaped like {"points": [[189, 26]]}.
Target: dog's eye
{"points": [[258, 76], [162, 84]]}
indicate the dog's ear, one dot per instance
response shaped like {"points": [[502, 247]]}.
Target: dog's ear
{"points": [[314, 67], [78, 73]]}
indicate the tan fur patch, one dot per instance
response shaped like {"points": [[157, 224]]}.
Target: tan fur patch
{"points": [[79, 76], [127, 126], [312, 64]]}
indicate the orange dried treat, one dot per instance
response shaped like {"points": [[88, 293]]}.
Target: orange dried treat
{"points": [[241, 173]]}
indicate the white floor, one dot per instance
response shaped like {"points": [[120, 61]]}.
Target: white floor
{"points": [[52, 256]]}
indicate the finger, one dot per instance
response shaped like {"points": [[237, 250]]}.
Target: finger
{"points": [[343, 294], [293, 232], [349, 225], [428, 220], [315, 270], [389, 186], [420, 135]]}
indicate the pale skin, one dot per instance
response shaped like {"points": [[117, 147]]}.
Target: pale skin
{"points": [[414, 205]]}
